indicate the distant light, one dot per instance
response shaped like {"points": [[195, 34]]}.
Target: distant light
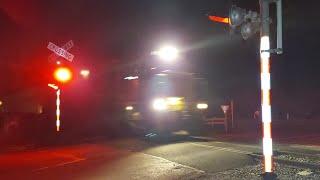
{"points": [[166, 70], [153, 68], [202, 106], [129, 108], [58, 62], [131, 78], [85, 73], [1, 103]]}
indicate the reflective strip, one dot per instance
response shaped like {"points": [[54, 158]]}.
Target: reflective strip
{"points": [[265, 45], [265, 66], [267, 130], [265, 97], [58, 125], [265, 81], [266, 113], [268, 164], [267, 146]]}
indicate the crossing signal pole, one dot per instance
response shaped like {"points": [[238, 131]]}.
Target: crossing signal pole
{"points": [[58, 91], [62, 75], [251, 22]]}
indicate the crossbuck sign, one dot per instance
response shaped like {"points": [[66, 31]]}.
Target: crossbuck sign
{"points": [[61, 51]]}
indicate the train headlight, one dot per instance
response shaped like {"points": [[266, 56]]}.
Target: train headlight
{"points": [[159, 104], [202, 106]]}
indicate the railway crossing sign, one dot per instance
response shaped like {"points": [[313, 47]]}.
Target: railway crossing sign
{"points": [[224, 108], [61, 51]]}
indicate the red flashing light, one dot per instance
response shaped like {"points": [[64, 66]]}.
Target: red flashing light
{"points": [[62, 74]]}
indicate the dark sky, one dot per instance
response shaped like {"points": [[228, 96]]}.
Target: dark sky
{"points": [[121, 31]]}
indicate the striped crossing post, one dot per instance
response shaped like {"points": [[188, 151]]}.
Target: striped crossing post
{"points": [[265, 103], [58, 110], [265, 79], [58, 91], [265, 85]]}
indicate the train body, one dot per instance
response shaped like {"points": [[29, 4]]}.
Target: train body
{"points": [[166, 102]]}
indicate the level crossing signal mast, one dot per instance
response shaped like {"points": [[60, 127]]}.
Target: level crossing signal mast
{"points": [[62, 75], [250, 23]]}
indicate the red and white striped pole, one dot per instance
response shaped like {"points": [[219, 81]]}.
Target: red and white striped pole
{"points": [[58, 91], [265, 102], [58, 110], [266, 88]]}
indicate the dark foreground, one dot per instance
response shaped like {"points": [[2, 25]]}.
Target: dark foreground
{"points": [[136, 158]]}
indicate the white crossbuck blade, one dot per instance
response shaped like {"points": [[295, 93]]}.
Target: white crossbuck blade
{"points": [[67, 46], [60, 51]]}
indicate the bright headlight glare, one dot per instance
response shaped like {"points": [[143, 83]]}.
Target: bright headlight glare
{"points": [[129, 108], [173, 100], [202, 106], [159, 104]]}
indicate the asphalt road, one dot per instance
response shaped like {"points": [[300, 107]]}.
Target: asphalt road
{"points": [[130, 159]]}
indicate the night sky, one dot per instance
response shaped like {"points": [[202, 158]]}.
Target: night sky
{"points": [[121, 32]]}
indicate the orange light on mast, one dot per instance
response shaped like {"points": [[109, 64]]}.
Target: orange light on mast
{"points": [[62, 74], [219, 19]]}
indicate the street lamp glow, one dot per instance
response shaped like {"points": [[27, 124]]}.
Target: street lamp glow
{"points": [[168, 53], [129, 108], [85, 73]]}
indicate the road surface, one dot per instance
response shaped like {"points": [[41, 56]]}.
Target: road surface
{"points": [[137, 158]]}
